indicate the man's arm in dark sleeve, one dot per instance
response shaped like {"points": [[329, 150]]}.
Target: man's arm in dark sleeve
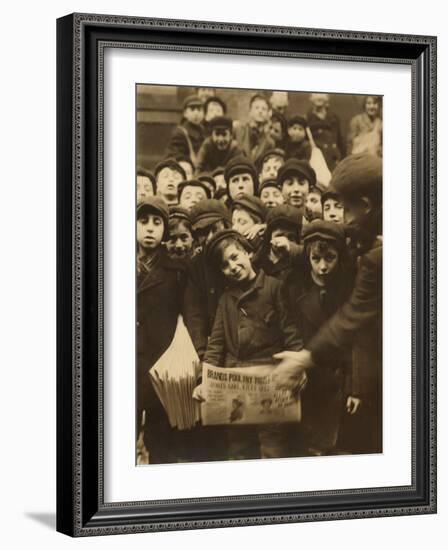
{"points": [[363, 306]]}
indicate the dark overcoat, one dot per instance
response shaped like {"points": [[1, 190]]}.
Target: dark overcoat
{"points": [[252, 324]]}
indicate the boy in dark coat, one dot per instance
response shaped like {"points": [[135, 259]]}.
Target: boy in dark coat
{"points": [[188, 136], [314, 293], [281, 241], [297, 145], [357, 324], [160, 284], [326, 129], [252, 323], [253, 137], [204, 286], [219, 148]]}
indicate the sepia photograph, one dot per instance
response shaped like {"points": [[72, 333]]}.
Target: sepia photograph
{"points": [[258, 274]]}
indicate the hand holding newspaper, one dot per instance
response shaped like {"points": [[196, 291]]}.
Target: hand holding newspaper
{"points": [[246, 395]]}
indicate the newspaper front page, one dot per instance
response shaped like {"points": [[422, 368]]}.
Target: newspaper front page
{"points": [[246, 395]]}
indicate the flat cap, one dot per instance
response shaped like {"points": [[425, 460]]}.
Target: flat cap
{"points": [[207, 212], [253, 205], [294, 166]]}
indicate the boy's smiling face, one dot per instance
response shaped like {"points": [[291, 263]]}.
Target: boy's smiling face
{"points": [[222, 138], [236, 264], [150, 228], [180, 242], [241, 184], [272, 196], [295, 188]]}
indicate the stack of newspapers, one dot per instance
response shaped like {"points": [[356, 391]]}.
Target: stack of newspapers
{"points": [[174, 379]]}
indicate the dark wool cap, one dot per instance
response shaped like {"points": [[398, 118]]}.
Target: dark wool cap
{"points": [[240, 165], [193, 183], [269, 183], [221, 122], [218, 171], [298, 119], [215, 99], [157, 206], [297, 167], [284, 214], [252, 204], [211, 246], [207, 212], [276, 152], [323, 230], [170, 163], [191, 101], [330, 193], [177, 212], [359, 175], [208, 180]]}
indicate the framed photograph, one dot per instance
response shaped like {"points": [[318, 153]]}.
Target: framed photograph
{"points": [[246, 274]]}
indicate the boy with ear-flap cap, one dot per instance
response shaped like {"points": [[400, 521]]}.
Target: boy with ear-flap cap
{"points": [[357, 324], [160, 284]]}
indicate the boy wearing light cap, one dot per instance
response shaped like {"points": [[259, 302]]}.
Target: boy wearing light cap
{"points": [[188, 136], [169, 174], [241, 177], [160, 285], [219, 148], [357, 324]]}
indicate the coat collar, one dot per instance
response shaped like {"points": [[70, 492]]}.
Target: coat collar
{"points": [[258, 282]]}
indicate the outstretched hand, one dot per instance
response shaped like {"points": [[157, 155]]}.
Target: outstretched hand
{"points": [[290, 373]]}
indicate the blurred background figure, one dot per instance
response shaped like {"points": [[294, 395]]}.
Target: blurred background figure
{"points": [[366, 129], [279, 101], [326, 129]]}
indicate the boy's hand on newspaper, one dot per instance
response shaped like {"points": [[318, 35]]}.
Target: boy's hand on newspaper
{"points": [[290, 373], [198, 393], [353, 404]]}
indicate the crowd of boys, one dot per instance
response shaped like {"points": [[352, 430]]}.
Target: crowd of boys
{"points": [[235, 233]]}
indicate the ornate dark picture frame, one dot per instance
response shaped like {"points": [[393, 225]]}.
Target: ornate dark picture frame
{"points": [[81, 40]]}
